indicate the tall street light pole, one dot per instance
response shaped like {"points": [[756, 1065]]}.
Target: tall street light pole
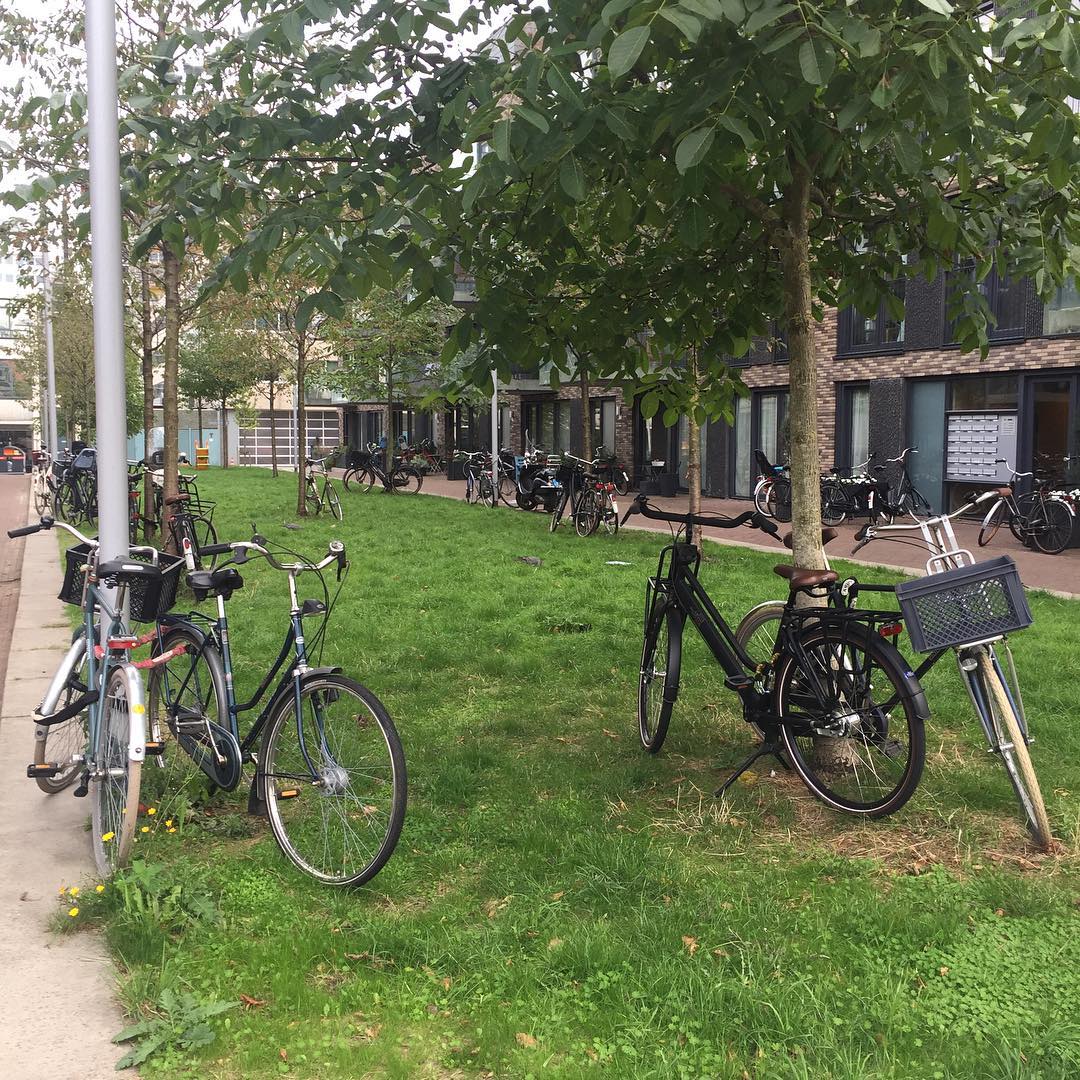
{"points": [[495, 436], [48, 421], [107, 275]]}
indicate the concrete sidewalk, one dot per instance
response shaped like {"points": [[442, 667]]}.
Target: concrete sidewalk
{"points": [[59, 1006]]}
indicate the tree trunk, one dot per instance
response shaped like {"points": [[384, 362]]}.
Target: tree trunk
{"points": [[388, 459], [224, 423], [198, 411], [301, 423], [148, 398], [586, 418], [802, 373], [693, 444], [170, 412], [273, 431]]}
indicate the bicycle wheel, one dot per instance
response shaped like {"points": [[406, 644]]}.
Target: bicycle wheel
{"points": [[761, 497], [1013, 748], [351, 479], [621, 482], [64, 503], [995, 518], [115, 792], [334, 502], [917, 505], [59, 743], [408, 481], [833, 504], [203, 535], [342, 827], [555, 517], [1018, 521], [487, 492], [1051, 526], [587, 514], [779, 499], [472, 489], [185, 695], [41, 495], [757, 635], [609, 516], [849, 719], [507, 489], [658, 680]]}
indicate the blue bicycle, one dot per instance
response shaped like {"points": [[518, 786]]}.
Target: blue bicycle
{"points": [[329, 771]]}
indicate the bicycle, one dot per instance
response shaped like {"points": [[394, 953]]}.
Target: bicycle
{"points": [[40, 487], [424, 456], [969, 608], [908, 499], [574, 480], [772, 491], [365, 470], [834, 698], [1037, 516], [857, 495], [94, 709], [329, 771], [596, 507], [319, 499], [474, 462]]}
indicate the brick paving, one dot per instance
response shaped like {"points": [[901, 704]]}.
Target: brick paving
{"points": [[1059, 574]]}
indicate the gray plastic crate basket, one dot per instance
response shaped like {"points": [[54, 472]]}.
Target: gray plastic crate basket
{"points": [[957, 607]]}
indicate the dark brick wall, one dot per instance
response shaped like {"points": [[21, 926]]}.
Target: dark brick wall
{"points": [[886, 417]]}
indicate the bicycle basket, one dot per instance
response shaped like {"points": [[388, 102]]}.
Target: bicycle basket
{"points": [[960, 606], [147, 600]]}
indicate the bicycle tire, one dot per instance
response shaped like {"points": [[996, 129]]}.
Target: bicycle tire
{"points": [[832, 652], [609, 515], [115, 795], [587, 514], [472, 492], [41, 497], [761, 497], [621, 482], [351, 477], [1055, 526], [556, 515], [1018, 522], [69, 737], [487, 492], [311, 498], [656, 699], [760, 646], [406, 480], [286, 811], [833, 504], [918, 506], [779, 499], [1013, 750], [204, 535], [334, 502], [507, 489], [995, 518]]}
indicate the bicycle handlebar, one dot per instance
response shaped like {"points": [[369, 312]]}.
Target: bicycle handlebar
{"points": [[903, 454], [872, 532], [335, 552], [640, 505]]}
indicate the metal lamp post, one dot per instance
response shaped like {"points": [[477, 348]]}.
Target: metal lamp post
{"points": [[48, 421], [107, 276], [495, 436]]}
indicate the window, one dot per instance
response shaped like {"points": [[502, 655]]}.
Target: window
{"points": [[547, 424], [7, 381], [983, 392], [1003, 295], [879, 329], [603, 425], [7, 328], [853, 444], [1061, 315]]}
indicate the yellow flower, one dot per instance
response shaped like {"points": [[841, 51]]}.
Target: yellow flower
{"points": [[99, 888], [73, 912], [73, 891], [63, 889], [106, 837], [145, 828], [151, 811], [172, 830], [168, 823]]}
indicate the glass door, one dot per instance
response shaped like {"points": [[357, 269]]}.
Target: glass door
{"points": [[1054, 441]]}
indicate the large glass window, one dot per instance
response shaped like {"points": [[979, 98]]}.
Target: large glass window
{"points": [[742, 487], [1061, 315], [603, 424], [7, 380], [983, 392], [879, 329], [1003, 295], [1051, 429], [855, 426]]}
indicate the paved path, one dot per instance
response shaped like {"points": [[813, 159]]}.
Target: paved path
{"points": [[59, 1009], [1056, 573]]}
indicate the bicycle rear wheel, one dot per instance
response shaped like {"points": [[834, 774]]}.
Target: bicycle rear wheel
{"points": [[59, 743], [850, 721], [761, 497], [587, 514], [778, 501], [757, 635], [334, 502], [1051, 526], [1013, 748], [995, 518], [342, 826], [311, 498], [115, 793], [658, 679], [833, 504], [1018, 522], [407, 481], [609, 515], [917, 505], [488, 495]]}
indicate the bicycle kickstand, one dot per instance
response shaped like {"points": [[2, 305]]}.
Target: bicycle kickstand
{"points": [[763, 750]]}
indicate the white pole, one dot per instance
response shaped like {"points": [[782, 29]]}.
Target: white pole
{"points": [[495, 436], [107, 271], [48, 421]]}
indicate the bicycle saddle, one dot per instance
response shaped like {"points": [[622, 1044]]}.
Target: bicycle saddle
{"points": [[805, 579], [175, 500], [1004, 492], [826, 536], [222, 582]]}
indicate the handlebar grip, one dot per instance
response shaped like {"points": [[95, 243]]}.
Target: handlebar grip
{"points": [[859, 546], [28, 530], [633, 508], [216, 549], [759, 521]]}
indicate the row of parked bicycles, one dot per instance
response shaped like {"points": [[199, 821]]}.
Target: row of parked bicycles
{"points": [[563, 486], [1042, 517]]}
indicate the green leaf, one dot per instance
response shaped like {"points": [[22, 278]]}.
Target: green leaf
{"points": [[693, 147], [737, 127], [689, 24], [613, 9], [1058, 173], [693, 226], [618, 125], [500, 140], [707, 9], [533, 117], [625, 50], [942, 7], [935, 57], [817, 58], [735, 10], [1067, 45], [783, 37], [1029, 28], [571, 178], [562, 85], [766, 16], [908, 152]]}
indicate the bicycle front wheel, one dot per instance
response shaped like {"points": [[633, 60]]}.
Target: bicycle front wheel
{"points": [[407, 481], [587, 514], [488, 495], [757, 634], [1051, 526], [60, 743], [1013, 748], [995, 518], [850, 721], [334, 782], [311, 497], [115, 791], [609, 515], [658, 680], [334, 502], [761, 497], [833, 504]]}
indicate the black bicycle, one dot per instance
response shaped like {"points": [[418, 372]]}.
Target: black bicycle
{"points": [[834, 698], [329, 771], [366, 470]]}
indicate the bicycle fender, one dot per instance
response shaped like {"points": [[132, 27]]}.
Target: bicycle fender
{"points": [[59, 681], [171, 622], [918, 695], [136, 697], [313, 672]]}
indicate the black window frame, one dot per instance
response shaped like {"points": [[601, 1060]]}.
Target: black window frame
{"points": [[993, 284], [846, 322]]}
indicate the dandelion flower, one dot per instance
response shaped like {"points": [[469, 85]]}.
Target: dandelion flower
{"points": [[63, 889], [73, 912], [99, 888], [106, 837], [168, 823], [172, 830], [145, 828], [73, 891], [152, 811]]}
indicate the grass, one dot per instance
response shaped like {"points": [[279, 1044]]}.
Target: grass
{"points": [[562, 903]]}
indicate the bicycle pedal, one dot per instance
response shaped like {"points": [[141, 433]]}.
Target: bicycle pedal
{"points": [[289, 793], [47, 769], [155, 749], [84, 786], [738, 682]]}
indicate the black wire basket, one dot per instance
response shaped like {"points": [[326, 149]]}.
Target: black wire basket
{"points": [[148, 599], [958, 607]]}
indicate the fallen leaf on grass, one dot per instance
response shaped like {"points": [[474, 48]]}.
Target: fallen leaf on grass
{"points": [[943, 970], [250, 1002], [526, 1040], [610, 734], [557, 895], [555, 942], [283, 1054], [690, 943]]}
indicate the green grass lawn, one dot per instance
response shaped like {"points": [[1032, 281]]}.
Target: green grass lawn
{"points": [[562, 903]]}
